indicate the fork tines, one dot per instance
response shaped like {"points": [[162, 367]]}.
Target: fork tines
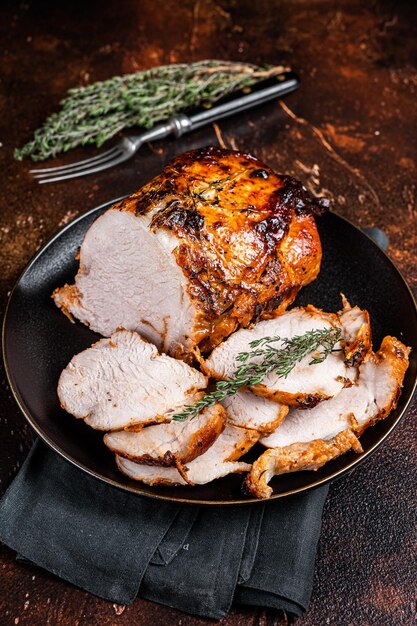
{"points": [[107, 159]]}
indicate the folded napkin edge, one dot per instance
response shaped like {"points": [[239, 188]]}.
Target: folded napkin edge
{"points": [[282, 603], [287, 593]]}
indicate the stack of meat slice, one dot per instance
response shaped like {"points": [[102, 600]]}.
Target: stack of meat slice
{"points": [[308, 439], [123, 386], [219, 460], [318, 411]]}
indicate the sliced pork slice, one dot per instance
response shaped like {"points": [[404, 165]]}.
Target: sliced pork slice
{"points": [[124, 381], [249, 411], [306, 384], [296, 457], [212, 243], [174, 443], [307, 439], [219, 460], [370, 399]]}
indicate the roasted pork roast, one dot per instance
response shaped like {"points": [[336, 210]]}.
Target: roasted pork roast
{"points": [[215, 242]]}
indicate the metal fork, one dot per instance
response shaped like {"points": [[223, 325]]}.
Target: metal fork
{"points": [[179, 125]]}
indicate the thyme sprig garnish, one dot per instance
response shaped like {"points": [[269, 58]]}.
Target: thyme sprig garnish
{"points": [[279, 360], [95, 113]]}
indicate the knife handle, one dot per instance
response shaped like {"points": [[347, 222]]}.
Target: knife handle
{"points": [[261, 92], [258, 94]]}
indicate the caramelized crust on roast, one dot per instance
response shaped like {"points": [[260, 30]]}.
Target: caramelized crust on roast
{"points": [[244, 238], [248, 236]]}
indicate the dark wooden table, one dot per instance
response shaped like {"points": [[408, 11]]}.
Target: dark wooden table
{"points": [[349, 133]]}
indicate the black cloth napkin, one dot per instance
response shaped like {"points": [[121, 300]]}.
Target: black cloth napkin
{"points": [[199, 560], [117, 545]]}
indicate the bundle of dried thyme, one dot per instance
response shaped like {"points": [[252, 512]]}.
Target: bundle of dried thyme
{"points": [[95, 113]]}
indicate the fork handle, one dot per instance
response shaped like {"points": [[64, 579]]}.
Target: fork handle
{"points": [[261, 92]]}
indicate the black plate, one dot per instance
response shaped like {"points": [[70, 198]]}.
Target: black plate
{"points": [[39, 341]]}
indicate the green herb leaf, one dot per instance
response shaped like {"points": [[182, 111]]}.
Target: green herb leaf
{"points": [[95, 113]]}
